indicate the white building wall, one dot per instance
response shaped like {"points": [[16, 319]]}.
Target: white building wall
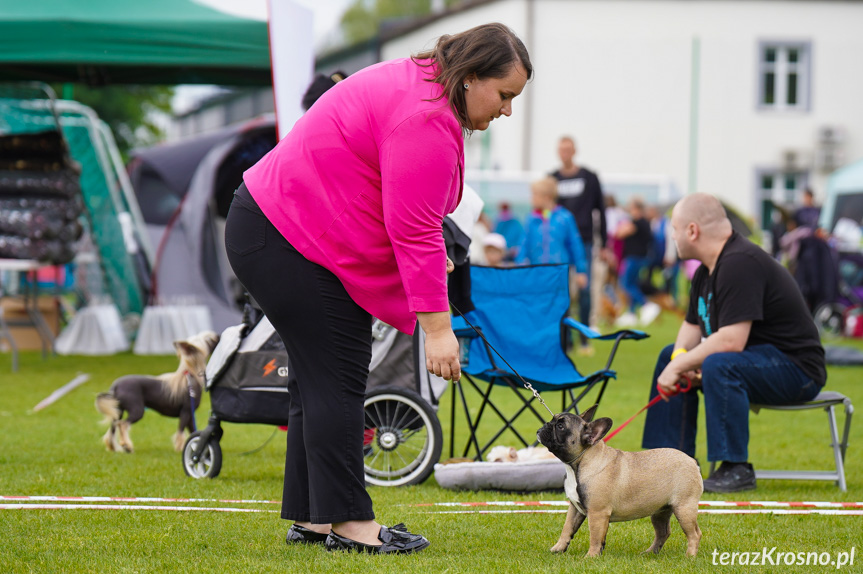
{"points": [[505, 136], [617, 75]]}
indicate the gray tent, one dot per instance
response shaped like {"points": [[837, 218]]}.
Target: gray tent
{"points": [[184, 191], [844, 202]]}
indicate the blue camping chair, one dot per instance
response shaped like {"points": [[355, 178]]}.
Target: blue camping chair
{"points": [[523, 313]]}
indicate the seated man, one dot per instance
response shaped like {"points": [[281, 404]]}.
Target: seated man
{"points": [[747, 330]]}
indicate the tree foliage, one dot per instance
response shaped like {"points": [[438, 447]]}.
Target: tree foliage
{"points": [[362, 19], [128, 110]]}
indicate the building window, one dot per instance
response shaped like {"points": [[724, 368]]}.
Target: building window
{"points": [[784, 73], [779, 191]]}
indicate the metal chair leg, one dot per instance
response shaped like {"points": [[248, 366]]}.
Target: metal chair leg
{"points": [[849, 412], [837, 449]]}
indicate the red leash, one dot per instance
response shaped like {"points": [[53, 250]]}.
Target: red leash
{"points": [[653, 401]]}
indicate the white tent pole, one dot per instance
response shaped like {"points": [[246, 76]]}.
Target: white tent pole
{"points": [[128, 192]]}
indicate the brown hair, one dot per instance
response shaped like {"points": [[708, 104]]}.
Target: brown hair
{"points": [[489, 51]]}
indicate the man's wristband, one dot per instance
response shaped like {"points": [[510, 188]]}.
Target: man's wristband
{"points": [[677, 353]]}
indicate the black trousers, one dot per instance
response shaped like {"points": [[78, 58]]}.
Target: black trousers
{"points": [[328, 339]]}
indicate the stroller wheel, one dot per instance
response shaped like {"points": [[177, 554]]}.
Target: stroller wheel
{"points": [[403, 438], [208, 463], [829, 318]]}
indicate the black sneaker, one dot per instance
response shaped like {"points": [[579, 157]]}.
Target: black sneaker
{"points": [[395, 540], [731, 477]]}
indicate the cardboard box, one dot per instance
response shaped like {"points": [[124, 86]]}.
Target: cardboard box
{"points": [[20, 325]]}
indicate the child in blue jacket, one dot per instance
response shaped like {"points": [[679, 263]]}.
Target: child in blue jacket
{"points": [[550, 233]]}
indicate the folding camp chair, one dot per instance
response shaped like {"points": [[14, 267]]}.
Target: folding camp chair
{"points": [[523, 313]]}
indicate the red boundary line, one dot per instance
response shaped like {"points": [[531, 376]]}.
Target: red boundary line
{"points": [[131, 499], [736, 511], [707, 503]]}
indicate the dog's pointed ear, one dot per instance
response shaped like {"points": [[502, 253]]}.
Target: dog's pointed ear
{"points": [[587, 415], [597, 429], [185, 347]]}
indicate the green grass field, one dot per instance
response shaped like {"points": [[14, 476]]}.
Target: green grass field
{"points": [[57, 452]]}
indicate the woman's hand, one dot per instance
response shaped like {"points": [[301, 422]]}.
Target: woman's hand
{"points": [[450, 266], [441, 345], [442, 355]]}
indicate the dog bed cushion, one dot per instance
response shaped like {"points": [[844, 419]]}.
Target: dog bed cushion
{"points": [[525, 476]]}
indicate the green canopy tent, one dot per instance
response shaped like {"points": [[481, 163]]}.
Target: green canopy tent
{"points": [[101, 42]]}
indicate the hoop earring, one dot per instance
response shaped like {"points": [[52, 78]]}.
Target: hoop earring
{"points": [[466, 86]]}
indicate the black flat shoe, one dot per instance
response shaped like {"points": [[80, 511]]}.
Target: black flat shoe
{"points": [[395, 540], [298, 534]]}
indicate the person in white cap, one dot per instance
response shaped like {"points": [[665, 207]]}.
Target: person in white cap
{"points": [[494, 247]]}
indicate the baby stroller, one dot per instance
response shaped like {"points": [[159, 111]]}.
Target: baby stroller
{"points": [[247, 377], [841, 316]]}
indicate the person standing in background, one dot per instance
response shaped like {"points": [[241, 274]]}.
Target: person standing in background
{"points": [[637, 243], [580, 192], [510, 228], [807, 215]]}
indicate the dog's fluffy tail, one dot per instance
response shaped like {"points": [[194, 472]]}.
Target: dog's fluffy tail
{"points": [[108, 405]]}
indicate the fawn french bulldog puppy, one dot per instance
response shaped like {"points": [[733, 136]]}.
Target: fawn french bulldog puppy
{"points": [[605, 485]]}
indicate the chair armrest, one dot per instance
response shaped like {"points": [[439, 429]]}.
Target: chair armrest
{"points": [[591, 334]]}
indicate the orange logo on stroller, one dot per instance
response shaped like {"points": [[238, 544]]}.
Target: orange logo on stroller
{"points": [[270, 367]]}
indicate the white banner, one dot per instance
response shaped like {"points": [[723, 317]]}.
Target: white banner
{"points": [[293, 59]]}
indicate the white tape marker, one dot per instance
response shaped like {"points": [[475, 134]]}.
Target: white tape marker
{"points": [[124, 507]]}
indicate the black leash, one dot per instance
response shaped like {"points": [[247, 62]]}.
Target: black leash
{"points": [[191, 384], [524, 382], [266, 442]]}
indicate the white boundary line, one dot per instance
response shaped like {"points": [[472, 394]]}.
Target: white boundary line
{"points": [[130, 499], [75, 506], [124, 507], [72, 506]]}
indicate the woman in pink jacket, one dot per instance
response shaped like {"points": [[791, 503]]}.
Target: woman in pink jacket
{"points": [[341, 222]]}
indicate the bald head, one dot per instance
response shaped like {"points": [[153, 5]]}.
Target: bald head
{"points": [[700, 228], [706, 212]]}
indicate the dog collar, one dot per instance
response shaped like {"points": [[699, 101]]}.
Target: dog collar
{"points": [[576, 459]]}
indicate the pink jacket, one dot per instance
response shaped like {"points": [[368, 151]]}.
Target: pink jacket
{"points": [[361, 185]]}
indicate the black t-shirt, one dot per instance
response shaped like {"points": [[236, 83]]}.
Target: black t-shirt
{"points": [[581, 194], [638, 244], [747, 284]]}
